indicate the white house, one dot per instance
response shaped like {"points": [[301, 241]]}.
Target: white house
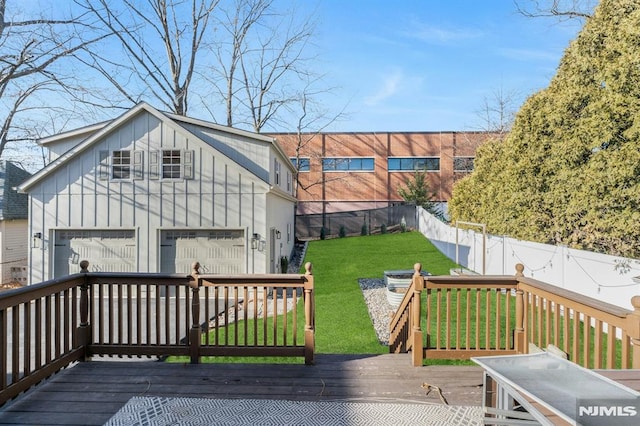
{"points": [[13, 225], [153, 192]]}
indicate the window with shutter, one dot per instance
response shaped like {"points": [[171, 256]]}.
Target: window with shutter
{"points": [[154, 165], [177, 164], [138, 165], [103, 165], [121, 165], [187, 165]]}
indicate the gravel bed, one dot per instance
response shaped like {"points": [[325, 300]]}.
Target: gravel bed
{"points": [[380, 311]]}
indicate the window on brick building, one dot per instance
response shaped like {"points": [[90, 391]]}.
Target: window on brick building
{"points": [[347, 164], [463, 164], [430, 164], [305, 164]]}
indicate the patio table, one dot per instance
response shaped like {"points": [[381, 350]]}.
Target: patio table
{"points": [[547, 387]]}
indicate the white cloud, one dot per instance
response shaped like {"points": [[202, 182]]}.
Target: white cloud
{"points": [[389, 88], [439, 34]]}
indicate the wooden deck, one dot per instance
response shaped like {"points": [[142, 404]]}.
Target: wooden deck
{"points": [[92, 392]]}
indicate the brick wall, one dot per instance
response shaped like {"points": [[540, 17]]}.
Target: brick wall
{"points": [[320, 191]]}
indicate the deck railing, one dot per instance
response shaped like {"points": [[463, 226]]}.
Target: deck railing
{"points": [[457, 317], [48, 326]]}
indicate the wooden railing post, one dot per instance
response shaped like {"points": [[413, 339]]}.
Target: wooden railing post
{"points": [[83, 332], [195, 332], [518, 333], [417, 344], [309, 316], [634, 331]]}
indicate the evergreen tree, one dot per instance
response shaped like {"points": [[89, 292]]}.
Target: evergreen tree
{"points": [[569, 171], [417, 191]]}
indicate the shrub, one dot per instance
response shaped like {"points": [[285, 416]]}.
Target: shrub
{"points": [[364, 230], [323, 233], [284, 264], [342, 232], [383, 229]]}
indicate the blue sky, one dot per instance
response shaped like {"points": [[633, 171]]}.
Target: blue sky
{"points": [[414, 65]]}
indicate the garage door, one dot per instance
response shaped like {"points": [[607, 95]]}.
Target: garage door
{"points": [[218, 251], [106, 251]]}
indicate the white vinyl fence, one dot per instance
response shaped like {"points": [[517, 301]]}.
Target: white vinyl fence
{"points": [[603, 277]]}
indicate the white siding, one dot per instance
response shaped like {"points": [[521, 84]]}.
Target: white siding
{"points": [[223, 195], [280, 215], [15, 241]]}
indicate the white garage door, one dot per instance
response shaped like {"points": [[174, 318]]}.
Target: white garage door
{"points": [[106, 251], [218, 251]]}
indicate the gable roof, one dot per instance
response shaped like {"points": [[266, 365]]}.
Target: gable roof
{"points": [[98, 131], [12, 204]]}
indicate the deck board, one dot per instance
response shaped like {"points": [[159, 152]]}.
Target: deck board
{"points": [[92, 392]]}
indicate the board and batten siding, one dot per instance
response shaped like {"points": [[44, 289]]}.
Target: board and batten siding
{"points": [[222, 194], [15, 241]]}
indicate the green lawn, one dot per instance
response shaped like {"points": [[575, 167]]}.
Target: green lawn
{"points": [[342, 321]]}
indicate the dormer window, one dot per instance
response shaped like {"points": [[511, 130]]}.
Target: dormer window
{"points": [[171, 164], [124, 164], [121, 165]]}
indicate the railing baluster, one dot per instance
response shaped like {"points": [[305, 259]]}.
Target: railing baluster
{"points": [[47, 332], [15, 344], [498, 318], [508, 344], [226, 315], [4, 339], [586, 341], [438, 332], [264, 317], [467, 341], [27, 337], [597, 345], [556, 325], [275, 316], [38, 333], [458, 319], [295, 317], [245, 315], [255, 316], [478, 311], [611, 346], [547, 323], [575, 352], [236, 318], [217, 309], [566, 335], [127, 315], [138, 315], [487, 319], [66, 318], [207, 316]]}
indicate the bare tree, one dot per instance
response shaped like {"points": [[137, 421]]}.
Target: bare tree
{"points": [[262, 60], [234, 23], [30, 51], [498, 111], [161, 42], [311, 121], [561, 9]]}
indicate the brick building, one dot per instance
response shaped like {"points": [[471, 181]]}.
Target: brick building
{"points": [[363, 170]]}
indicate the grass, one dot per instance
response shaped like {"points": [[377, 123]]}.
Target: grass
{"points": [[343, 325]]}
